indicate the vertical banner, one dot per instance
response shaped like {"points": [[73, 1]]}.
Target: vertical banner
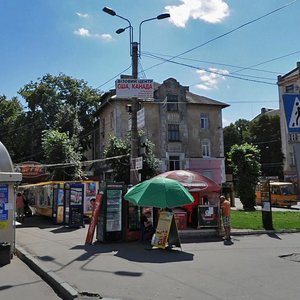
{"points": [[94, 219], [160, 238]]}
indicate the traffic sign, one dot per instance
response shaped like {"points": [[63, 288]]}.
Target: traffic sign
{"points": [[291, 103]]}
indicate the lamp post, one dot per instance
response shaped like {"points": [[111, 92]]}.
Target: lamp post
{"points": [[135, 50]]}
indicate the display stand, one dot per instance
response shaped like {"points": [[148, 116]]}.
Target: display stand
{"points": [[166, 234]]}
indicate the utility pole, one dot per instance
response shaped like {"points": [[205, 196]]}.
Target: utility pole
{"points": [[134, 174], [134, 52]]}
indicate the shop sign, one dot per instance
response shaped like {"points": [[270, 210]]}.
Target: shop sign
{"points": [[31, 169], [134, 88]]}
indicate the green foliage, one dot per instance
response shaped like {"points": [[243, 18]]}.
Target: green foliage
{"points": [[59, 103], [12, 123], [265, 133], [60, 149], [235, 134], [120, 166], [244, 160]]}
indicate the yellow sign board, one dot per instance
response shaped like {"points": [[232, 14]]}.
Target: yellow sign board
{"points": [[161, 235]]}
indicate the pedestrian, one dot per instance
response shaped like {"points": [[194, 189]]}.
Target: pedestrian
{"points": [[20, 207], [225, 211]]}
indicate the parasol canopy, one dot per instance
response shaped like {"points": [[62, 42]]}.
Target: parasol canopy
{"points": [[159, 192], [193, 181]]}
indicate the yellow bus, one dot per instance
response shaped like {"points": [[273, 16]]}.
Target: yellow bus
{"points": [[282, 194]]}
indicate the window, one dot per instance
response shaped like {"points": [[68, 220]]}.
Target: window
{"points": [[103, 127], [204, 121], [173, 132], [174, 163], [289, 89], [205, 148], [292, 159], [111, 119], [172, 102]]}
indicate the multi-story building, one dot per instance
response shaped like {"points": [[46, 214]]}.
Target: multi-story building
{"points": [[289, 84], [186, 128]]}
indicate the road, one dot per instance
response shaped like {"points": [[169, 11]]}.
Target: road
{"points": [[238, 205], [262, 267]]}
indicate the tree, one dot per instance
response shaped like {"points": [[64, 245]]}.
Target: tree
{"points": [[244, 160], [121, 166], [11, 124], [265, 133], [60, 149], [235, 134], [59, 103]]}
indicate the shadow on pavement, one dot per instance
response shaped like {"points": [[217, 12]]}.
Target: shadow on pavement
{"points": [[274, 236], [136, 252], [38, 221]]}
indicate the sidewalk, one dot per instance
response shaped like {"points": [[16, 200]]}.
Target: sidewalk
{"points": [[75, 270]]}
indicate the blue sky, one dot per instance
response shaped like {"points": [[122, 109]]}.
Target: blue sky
{"points": [[233, 50]]}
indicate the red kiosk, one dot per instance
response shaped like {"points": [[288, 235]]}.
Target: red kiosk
{"points": [[204, 211]]}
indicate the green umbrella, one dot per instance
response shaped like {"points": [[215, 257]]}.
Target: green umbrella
{"points": [[159, 192]]}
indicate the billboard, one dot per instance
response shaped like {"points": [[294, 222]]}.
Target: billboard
{"points": [[134, 88]]}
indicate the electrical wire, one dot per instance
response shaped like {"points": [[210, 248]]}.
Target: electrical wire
{"points": [[218, 73], [225, 34]]}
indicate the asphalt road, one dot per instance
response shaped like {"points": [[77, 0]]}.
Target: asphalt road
{"points": [[262, 267], [238, 205]]}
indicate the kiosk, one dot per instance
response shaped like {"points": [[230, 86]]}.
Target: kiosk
{"points": [[8, 178]]}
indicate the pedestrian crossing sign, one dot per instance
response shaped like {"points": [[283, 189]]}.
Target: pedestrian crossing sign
{"points": [[291, 103]]}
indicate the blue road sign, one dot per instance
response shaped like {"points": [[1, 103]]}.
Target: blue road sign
{"points": [[291, 103]]}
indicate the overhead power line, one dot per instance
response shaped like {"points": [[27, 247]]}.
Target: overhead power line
{"points": [[225, 34], [216, 72]]}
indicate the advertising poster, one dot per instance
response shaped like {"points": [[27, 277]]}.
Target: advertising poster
{"points": [[4, 206], [160, 238], [208, 216]]}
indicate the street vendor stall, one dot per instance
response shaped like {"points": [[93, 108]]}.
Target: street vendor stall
{"points": [[206, 193], [163, 193]]}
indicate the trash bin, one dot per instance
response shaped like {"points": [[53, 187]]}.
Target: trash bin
{"points": [[4, 254]]}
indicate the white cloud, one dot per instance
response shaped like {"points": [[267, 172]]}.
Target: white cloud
{"points": [[211, 11], [81, 15], [210, 79], [83, 32]]}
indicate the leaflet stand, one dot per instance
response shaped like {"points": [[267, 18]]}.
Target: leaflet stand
{"points": [[166, 234]]}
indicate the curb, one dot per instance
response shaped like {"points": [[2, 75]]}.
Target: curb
{"points": [[62, 288]]}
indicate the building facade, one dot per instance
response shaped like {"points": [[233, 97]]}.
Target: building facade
{"points": [[186, 128], [289, 84]]}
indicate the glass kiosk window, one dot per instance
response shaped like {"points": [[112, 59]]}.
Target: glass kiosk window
{"points": [[114, 210]]}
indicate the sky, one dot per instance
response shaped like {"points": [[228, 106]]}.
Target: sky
{"points": [[230, 51]]}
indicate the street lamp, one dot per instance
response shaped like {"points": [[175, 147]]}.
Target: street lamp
{"points": [[135, 50]]}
